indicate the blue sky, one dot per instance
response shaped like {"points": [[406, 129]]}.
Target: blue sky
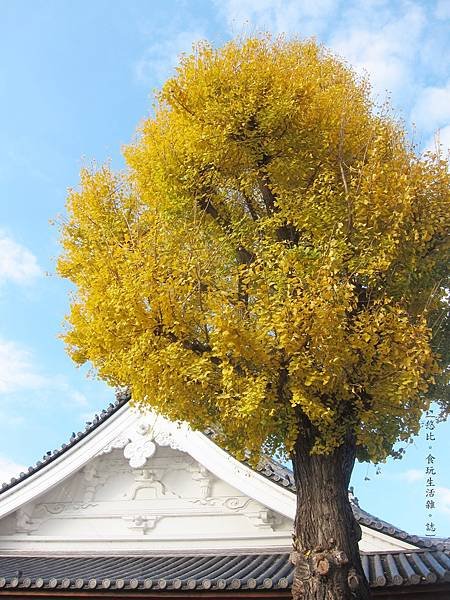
{"points": [[75, 80]]}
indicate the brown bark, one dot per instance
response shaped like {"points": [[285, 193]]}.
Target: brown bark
{"points": [[326, 555]]}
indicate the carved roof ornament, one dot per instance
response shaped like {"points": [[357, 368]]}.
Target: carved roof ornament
{"points": [[139, 445], [149, 479], [117, 443], [24, 520], [204, 477], [172, 435], [140, 448], [264, 519], [141, 522]]}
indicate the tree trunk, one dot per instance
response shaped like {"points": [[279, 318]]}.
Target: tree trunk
{"points": [[326, 556]]}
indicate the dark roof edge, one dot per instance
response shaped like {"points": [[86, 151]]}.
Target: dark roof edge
{"points": [[258, 572], [122, 397]]}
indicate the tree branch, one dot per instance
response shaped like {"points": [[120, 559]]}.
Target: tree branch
{"points": [[194, 345], [250, 207], [245, 257], [286, 232]]}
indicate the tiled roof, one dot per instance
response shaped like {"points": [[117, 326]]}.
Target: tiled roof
{"points": [[215, 572], [269, 468], [121, 399]]}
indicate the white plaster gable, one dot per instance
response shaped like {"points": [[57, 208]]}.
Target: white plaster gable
{"points": [[142, 484], [170, 503]]}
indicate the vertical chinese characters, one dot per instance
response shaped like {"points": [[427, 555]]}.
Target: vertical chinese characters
{"points": [[430, 474]]}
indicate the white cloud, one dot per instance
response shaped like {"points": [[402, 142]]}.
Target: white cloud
{"points": [[412, 475], [17, 263], [78, 398], [159, 59], [440, 141], [17, 371], [9, 469], [432, 108], [304, 18], [11, 421], [443, 137], [381, 38], [71, 396], [373, 40], [399, 45]]}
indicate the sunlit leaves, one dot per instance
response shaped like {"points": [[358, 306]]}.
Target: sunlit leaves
{"points": [[276, 249]]}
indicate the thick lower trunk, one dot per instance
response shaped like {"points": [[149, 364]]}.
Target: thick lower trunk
{"points": [[326, 556]]}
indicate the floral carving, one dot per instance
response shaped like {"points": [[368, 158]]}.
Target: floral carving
{"points": [[167, 438], [138, 451], [118, 443]]}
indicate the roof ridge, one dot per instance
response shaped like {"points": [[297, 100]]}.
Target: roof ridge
{"points": [[98, 419]]}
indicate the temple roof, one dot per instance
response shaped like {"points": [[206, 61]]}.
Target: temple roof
{"points": [[51, 455], [408, 562], [268, 468], [207, 571]]}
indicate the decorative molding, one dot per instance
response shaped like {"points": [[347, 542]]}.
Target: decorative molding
{"points": [[172, 435], [137, 445], [141, 523], [92, 479], [264, 519], [204, 477], [118, 431], [116, 444], [56, 508], [236, 502], [90, 471], [148, 479], [24, 520], [233, 503], [138, 451]]}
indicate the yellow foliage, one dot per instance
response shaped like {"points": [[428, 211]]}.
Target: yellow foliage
{"points": [[275, 250]]}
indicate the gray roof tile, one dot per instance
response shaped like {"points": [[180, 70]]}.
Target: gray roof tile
{"points": [[233, 571]]}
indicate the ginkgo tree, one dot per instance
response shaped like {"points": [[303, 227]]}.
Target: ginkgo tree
{"points": [[273, 263]]}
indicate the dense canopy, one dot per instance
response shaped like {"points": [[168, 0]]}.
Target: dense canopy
{"points": [[275, 255]]}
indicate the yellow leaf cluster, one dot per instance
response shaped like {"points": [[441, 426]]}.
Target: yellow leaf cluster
{"points": [[276, 253]]}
